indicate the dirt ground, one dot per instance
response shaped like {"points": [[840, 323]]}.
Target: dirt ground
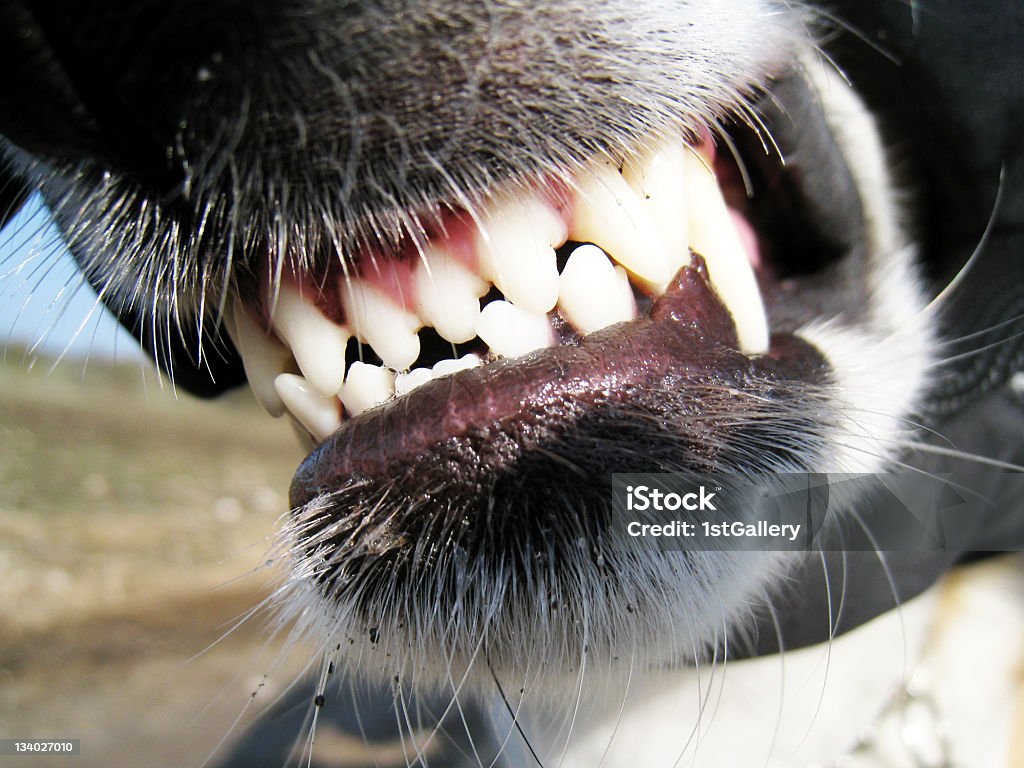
{"points": [[133, 526]]}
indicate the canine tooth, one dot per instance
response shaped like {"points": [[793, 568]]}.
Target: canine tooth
{"points": [[659, 179], [406, 382], [385, 326], [317, 343], [464, 363], [592, 292], [448, 295], [516, 245], [262, 357], [510, 330], [315, 412], [607, 212], [366, 386], [714, 236]]}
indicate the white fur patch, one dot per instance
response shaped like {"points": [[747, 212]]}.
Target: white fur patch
{"points": [[881, 365]]}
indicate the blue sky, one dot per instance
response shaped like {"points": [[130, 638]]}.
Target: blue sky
{"points": [[44, 302]]}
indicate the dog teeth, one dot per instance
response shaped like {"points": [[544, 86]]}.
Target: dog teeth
{"points": [[366, 386], [379, 322], [318, 414], [464, 363], [406, 382], [592, 292], [317, 344], [516, 245], [659, 180], [511, 331], [262, 357], [714, 236], [607, 212], [448, 295], [642, 221]]}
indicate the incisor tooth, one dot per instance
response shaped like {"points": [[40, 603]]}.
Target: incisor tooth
{"points": [[317, 343], [510, 330], [607, 212], [714, 236], [319, 414], [379, 322], [659, 179], [406, 382], [262, 356], [448, 295], [593, 293], [464, 363], [516, 245], [366, 386]]}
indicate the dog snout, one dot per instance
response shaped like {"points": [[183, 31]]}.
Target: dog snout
{"points": [[391, 105]]}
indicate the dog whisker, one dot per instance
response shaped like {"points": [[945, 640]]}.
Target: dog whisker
{"points": [[962, 274]]}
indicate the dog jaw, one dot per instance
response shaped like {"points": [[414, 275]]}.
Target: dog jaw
{"points": [[859, 428], [640, 650], [862, 431]]}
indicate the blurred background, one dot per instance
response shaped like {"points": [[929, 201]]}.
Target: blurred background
{"points": [[133, 529]]}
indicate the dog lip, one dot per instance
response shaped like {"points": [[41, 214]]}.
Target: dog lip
{"points": [[688, 332]]}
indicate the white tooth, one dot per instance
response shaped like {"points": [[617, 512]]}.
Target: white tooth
{"points": [[319, 414], [379, 322], [516, 246], [406, 382], [607, 212], [659, 179], [366, 386], [448, 295], [593, 293], [714, 236], [510, 330], [317, 343], [263, 357], [464, 363]]}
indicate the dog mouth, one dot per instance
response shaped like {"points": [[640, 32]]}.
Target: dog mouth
{"points": [[538, 309], [472, 394], [536, 271], [494, 301]]}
